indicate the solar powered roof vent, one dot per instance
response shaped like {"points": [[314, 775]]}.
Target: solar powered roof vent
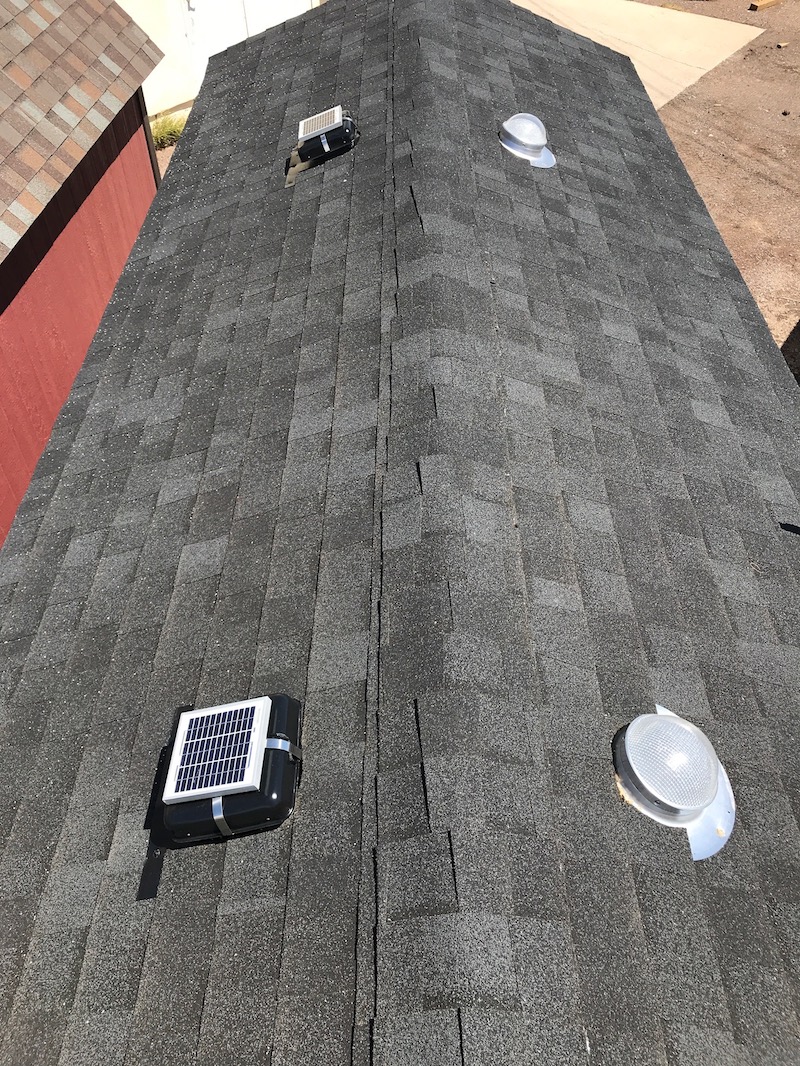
{"points": [[319, 137], [524, 135], [667, 768], [232, 769]]}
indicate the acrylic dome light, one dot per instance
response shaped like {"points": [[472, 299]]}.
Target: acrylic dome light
{"points": [[667, 769], [524, 135]]}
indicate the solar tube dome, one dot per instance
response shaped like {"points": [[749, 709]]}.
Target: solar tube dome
{"points": [[524, 135], [667, 768]]}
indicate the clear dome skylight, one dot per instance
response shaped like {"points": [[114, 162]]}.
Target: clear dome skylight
{"points": [[524, 135], [667, 768]]}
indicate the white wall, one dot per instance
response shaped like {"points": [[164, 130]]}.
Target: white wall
{"points": [[189, 31]]}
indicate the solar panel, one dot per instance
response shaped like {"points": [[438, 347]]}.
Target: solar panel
{"points": [[323, 122], [218, 750]]}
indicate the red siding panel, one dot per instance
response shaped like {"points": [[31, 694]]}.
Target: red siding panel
{"points": [[46, 330]]}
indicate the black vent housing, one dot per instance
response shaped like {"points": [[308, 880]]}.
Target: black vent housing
{"points": [[245, 812], [334, 142]]}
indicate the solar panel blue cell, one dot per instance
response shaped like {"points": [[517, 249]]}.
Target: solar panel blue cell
{"points": [[216, 749]]}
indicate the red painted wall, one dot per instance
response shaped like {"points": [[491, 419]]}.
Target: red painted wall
{"points": [[46, 330]]}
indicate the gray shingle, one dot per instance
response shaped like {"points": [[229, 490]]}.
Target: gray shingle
{"points": [[433, 1037], [415, 878], [477, 460]]}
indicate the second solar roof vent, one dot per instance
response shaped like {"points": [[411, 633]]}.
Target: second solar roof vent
{"points": [[319, 137], [232, 769]]}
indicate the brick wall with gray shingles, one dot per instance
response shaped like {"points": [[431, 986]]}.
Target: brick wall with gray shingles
{"points": [[480, 461]]}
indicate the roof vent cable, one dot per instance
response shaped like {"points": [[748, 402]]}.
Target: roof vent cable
{"points": [[667, 768], [320, 137], [524, 135]]}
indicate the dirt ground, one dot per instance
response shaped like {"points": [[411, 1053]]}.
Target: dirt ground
{"points": [[163, 158], [738, 133]]}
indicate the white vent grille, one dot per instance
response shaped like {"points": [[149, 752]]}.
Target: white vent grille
{"points": [[324, 122], [218, 750]]}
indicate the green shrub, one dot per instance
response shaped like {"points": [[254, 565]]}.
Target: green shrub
{"points": [[166, 130]]}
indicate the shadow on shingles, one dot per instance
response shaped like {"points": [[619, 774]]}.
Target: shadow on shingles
{"points": [[791, 352], [158, 843]]}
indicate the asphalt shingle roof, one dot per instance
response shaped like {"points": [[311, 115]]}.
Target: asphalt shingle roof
{"points": [[480, 461]]}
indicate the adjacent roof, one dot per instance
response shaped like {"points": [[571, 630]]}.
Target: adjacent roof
{"points": [[479, 460], [68, 67]]}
